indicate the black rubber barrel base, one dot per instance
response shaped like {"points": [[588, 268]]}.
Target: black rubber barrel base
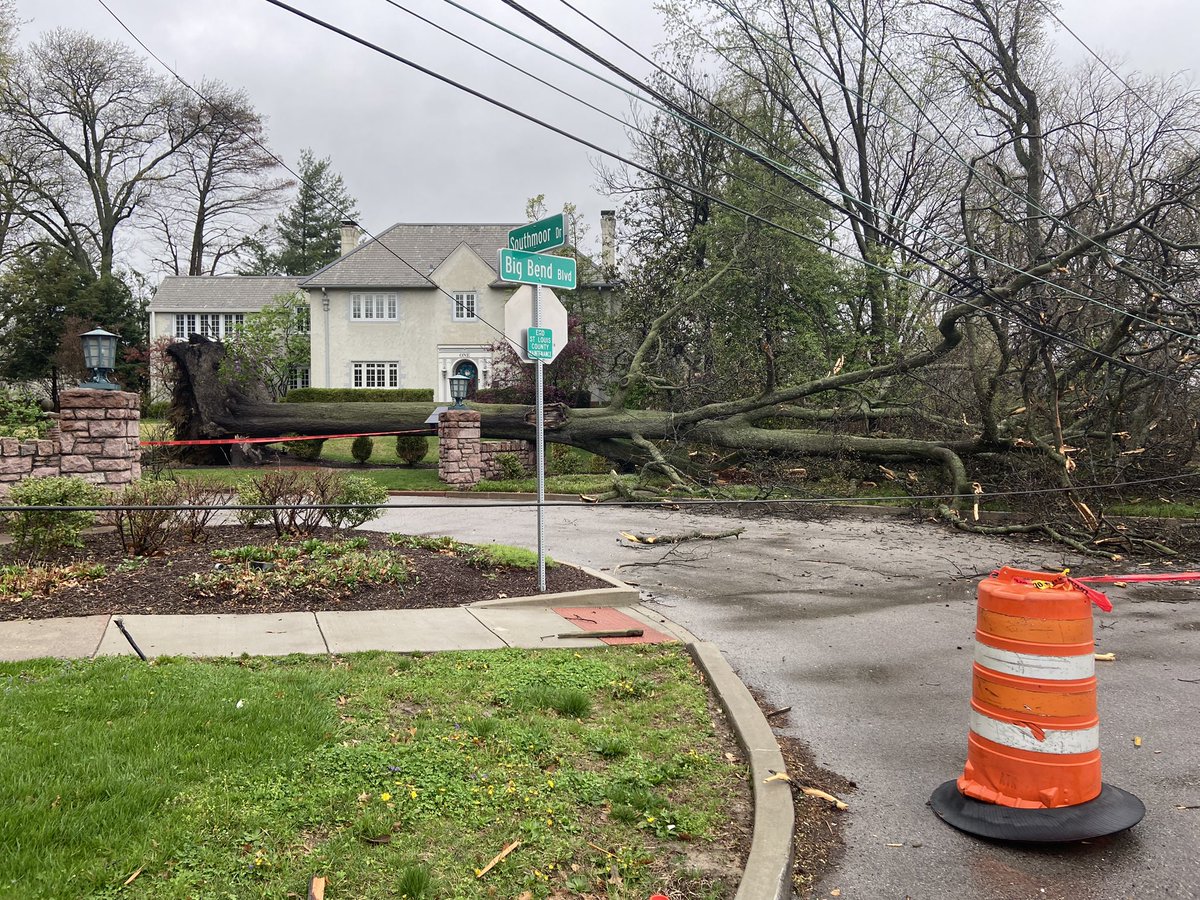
{"points": [[1112, 811]]}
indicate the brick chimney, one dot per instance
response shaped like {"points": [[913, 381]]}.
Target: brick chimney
{"points": [[351, 235], [608, 241]]}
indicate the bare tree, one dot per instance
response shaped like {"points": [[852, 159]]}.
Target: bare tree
{"points": [[227, 184], [89, 133]]}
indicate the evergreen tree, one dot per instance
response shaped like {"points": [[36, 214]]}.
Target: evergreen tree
{"points": [[309, 231]]}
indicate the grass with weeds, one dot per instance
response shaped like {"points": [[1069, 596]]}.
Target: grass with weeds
{"points": [[481, 556], [393, 776]]}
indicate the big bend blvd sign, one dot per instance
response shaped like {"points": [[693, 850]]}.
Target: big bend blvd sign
{"points": [[538, 268]]}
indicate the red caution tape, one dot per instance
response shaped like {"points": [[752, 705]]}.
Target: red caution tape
{"points": [[1098, 597], [276, 440]]}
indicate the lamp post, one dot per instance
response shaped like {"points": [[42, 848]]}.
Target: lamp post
{"points": [[100, 356], [459, 385]]}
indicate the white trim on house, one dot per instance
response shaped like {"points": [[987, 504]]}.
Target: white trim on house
{"points": [[375, 374], [465, 306], [450, 355], [374, 307]]}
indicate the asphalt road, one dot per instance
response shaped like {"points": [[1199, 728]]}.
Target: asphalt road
{"points": [[864, 626]]}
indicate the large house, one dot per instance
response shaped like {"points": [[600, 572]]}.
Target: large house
{"points": [[408, 309]]}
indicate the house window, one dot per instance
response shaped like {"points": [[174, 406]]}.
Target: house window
{"points": [[373, 307], [232, 324], [298, 377], [185, 324], [303, 324], [376, 375], [464, 306]]}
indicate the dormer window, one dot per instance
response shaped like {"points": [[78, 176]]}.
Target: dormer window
{"points": [[464, 306]]}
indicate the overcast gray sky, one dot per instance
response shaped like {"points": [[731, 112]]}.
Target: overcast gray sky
{"points": [[411, 149]]}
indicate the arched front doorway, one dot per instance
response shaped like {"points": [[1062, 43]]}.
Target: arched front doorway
{"points": [[468, 368]]}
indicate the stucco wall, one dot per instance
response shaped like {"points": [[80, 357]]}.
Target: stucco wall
{"points": [[425, 340]]}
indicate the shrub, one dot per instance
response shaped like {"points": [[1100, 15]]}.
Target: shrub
{"points": [[354, 489], [144, 531], [156, 409], [510, 467], [204, 505], [297, 492], [42, 531], [411, 448], [309, 451], [21, 415], [359, 395], [362, 448]]}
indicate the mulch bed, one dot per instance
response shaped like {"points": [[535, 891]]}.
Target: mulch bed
{"points": [[159, 584]]}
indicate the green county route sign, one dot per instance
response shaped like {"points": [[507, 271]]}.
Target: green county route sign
{"points": [[539, 343], [537, 268], [544, 234]]}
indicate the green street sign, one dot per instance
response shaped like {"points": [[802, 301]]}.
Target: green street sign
{"points": [[538, 268], [544, 234], [539, 343]]}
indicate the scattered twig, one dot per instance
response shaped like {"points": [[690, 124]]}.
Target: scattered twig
{"points": [[1105, 657], [132, 878], [316, 888], [778, 712], [479, 873], [808, 791]]}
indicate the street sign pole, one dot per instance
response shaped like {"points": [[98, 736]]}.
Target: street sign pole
{"points": [[541, 450]]}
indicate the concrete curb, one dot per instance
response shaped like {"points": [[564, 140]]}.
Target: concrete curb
{"points": [[620, 594], [768, 873]]}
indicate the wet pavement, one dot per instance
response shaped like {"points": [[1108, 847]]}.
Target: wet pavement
{"points": [[864, 626]]}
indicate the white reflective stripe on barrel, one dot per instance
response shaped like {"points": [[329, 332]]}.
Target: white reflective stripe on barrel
{"points": [[1021, 737], [1034, 665]]}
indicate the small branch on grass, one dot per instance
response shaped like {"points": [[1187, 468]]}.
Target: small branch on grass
{"points": [[479, 873], [316, 888]]}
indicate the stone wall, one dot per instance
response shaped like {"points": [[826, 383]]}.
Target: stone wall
{"points": [[490, 450], [95, 438], [458, 448]]}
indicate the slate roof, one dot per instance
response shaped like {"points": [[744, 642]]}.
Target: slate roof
{"points": [[220, 293], [424, 245]]}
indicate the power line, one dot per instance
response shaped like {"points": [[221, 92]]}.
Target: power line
{"points": [[709, 196], [665, 503], [953, 153], [341, 211]]}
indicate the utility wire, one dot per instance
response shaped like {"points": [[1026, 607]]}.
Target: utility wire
{"points": [[669, 106], [709, 196], [663, 504], [736, 14], [341, 212]]}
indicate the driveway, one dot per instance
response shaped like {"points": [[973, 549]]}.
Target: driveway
{"points": [[864, 626]]}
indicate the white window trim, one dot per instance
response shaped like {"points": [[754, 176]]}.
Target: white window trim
{"points": [[364, 306], [456, 304], [386, 369], [227, 324]]}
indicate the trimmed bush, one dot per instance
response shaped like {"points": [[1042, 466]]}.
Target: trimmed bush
{"points": [[156, 409], [362, 448], [309, 451], [42, 531], [511, 468], [411, 448], [21, 415], [354, 489], [359, 395]]}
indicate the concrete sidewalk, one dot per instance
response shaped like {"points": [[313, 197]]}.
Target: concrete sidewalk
{"points": [[478, 627]]}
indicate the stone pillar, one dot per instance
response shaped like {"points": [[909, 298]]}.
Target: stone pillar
{"points": [[459, 462], [99, 436]]}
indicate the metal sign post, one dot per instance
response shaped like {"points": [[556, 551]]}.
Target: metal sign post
{"points": [[541, 449]]}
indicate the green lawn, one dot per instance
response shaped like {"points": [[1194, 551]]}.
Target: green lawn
{"points": [[391, 775]]}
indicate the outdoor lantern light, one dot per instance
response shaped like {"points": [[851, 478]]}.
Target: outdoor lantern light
{"points": [[100, 356], [458, 389]]}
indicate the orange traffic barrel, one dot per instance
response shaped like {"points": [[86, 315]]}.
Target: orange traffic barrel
{"points": [[1033, 749]]}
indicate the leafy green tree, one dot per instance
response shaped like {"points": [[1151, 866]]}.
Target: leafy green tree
{"points": [[270, 346], [44, 296], [307, 233]]}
